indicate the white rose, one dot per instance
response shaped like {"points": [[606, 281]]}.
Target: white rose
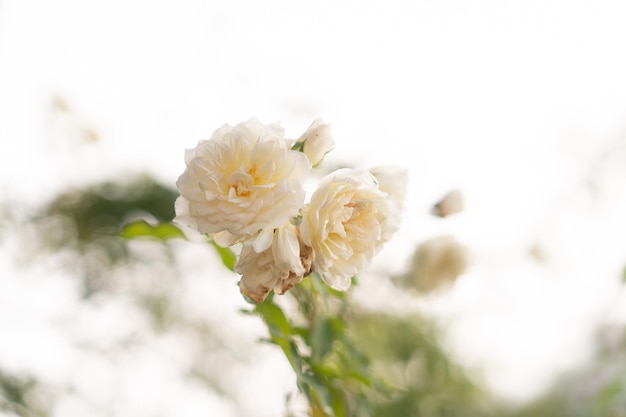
{"points": [[279, 267], [346, 224], [316, 142], [242, 183]]}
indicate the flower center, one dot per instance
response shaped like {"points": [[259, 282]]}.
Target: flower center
{"points": [[240, 182], [354, 209], [350, 214]]}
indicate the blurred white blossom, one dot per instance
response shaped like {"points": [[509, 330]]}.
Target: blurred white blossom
{"points": [[450, 203]]}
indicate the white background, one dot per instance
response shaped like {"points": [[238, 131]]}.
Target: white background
{"points": [[520, 105]]}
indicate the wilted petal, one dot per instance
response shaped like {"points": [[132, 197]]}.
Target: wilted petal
{"points": [[281, 266], [224, 239]]}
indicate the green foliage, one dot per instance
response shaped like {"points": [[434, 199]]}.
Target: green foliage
{"points": [[160, 231], [298, 146], [351, 363], [330, 370], [348, 362], [344, 359], [228, 257], [102, 209], [405, 351], [88, 222]]}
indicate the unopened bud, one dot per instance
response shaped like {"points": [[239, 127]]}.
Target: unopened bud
{"points": [[316, 142]]}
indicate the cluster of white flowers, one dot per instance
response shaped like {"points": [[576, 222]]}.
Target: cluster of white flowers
{"points": [[246, 185]]}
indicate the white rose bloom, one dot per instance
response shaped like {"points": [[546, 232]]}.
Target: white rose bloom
{"points": [[316, 142], [279, 267], [242, 183], [346, 224]]}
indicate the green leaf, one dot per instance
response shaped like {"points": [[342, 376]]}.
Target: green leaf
{"points": [[323, 334], [274, 317], [228, 257], [298, 146], [316, 392], [142, 229]]}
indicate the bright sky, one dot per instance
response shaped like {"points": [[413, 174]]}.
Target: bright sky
{"points": [[509, 101]]}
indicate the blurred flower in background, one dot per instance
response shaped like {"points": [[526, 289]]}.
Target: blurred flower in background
{"points": [[436, 264], [450, 203]]}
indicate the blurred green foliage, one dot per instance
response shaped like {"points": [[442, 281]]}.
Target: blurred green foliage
{"points": [[349, 362], [99, 211], [597, 389], [406, 351], [17, 396], [141, 228], [88, 221], [229, 259], [330, 368]]}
